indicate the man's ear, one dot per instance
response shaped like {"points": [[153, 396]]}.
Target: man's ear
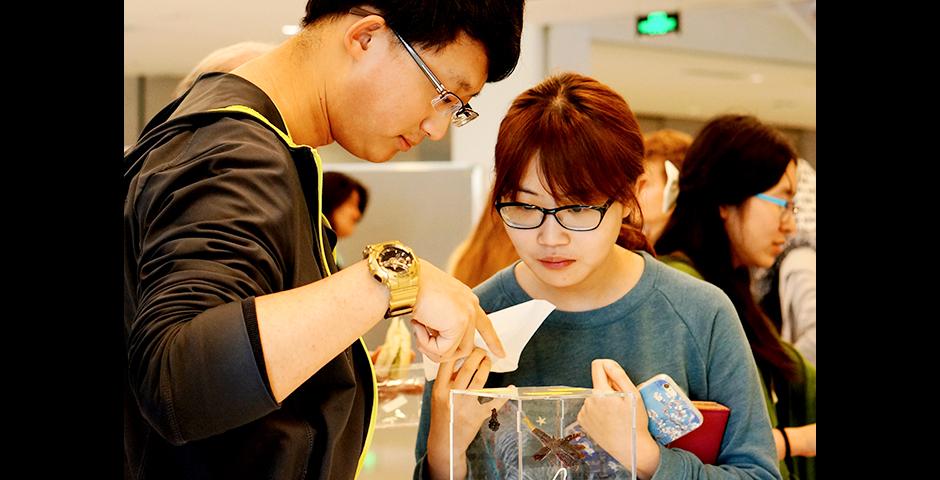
{"points": [[358, 37]]}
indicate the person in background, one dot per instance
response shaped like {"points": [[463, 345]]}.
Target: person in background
{"points": [[658, 187], [486, 251], [568, 155], [787, 290], [344, 203], [734, 212], [243, 341], [224, 59]]}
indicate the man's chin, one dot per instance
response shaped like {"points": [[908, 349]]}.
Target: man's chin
{"points": [[370, 155], [380, 157]]}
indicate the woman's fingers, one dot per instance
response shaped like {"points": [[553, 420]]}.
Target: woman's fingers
{"points": [[482, 373], [444, 373], [599, 376], [617, 377], [469, 368]]}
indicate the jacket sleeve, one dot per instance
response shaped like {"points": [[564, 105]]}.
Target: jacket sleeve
{"points": [[747, 449], [798, 299], [215, 225], [424, 427]]}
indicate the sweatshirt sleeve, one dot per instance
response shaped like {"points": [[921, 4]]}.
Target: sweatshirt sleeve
{"points": [[215, 226], [747, 449]]}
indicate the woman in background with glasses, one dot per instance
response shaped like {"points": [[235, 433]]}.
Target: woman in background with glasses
{"points": [[568, 155], [735, 212]]}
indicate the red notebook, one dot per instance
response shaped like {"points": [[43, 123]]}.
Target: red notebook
{"points": [[705, 441]]}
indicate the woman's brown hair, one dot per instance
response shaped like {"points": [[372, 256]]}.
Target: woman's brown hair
{"points": [[587, 142], [487, 251]]}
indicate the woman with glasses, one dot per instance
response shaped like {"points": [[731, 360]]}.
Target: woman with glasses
{"points": [[734, 212], [787, 290], [567, 158]]}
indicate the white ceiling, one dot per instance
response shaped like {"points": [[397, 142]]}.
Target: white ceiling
{"points": [[756, 56]]}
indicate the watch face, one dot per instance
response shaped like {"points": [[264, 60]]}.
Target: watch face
{"points": [[395, 259]]}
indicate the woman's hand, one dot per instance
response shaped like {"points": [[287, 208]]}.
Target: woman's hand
{"points": [[599, 417], [469, 413]]}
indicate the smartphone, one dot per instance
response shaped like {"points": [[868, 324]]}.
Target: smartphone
{"points": [[671, 413]]}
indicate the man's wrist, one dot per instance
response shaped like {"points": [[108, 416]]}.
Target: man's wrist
{"points": [[371, 289]]}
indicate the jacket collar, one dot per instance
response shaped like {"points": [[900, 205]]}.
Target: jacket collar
{"points": [[218, 90]]}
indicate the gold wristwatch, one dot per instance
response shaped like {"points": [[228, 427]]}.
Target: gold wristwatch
{"points": [[396, 266]]}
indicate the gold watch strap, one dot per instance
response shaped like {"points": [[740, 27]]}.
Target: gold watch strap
{"points": [[401, 301]]}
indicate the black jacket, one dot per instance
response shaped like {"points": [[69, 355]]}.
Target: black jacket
{"points": [[221, 208]]}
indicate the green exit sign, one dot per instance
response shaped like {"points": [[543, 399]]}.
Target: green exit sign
{"points": [[658, 23]]}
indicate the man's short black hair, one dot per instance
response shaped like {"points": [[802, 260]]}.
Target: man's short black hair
{"points": [[497, 24]]}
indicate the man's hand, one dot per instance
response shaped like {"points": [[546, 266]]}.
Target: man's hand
{"points": [[446, 315]]}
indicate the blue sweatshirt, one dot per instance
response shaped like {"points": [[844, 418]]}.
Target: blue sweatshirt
{"points": [[668, 323]]}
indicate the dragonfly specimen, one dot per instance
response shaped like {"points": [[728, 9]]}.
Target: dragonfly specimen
{"points": [[567, 453]]}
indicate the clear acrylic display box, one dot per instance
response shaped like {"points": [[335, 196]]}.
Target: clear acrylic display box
{"points": [[536, 435], [399, 399]]}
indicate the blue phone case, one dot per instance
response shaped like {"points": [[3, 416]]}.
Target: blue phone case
{"points": [[670, 411]]}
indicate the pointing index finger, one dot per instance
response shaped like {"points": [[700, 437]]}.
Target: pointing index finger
{"points": [[485, 327]]}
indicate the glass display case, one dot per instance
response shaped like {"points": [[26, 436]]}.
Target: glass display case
{"points": [[535, 434], [400, 398]]}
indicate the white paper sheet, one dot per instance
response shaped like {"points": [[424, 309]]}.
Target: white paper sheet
{"points": [[514, 326]]}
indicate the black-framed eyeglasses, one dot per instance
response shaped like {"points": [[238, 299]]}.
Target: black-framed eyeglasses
{"points": [[578, 218], [446, 103]]}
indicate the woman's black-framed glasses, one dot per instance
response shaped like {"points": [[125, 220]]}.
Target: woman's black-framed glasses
{"points": [[578, 218], [446, 103]]}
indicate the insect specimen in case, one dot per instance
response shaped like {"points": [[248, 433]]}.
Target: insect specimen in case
{"points": [[567, 453]]}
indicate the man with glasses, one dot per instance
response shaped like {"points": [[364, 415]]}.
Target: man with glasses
{"points": [[446, 103], [243, 345]]}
